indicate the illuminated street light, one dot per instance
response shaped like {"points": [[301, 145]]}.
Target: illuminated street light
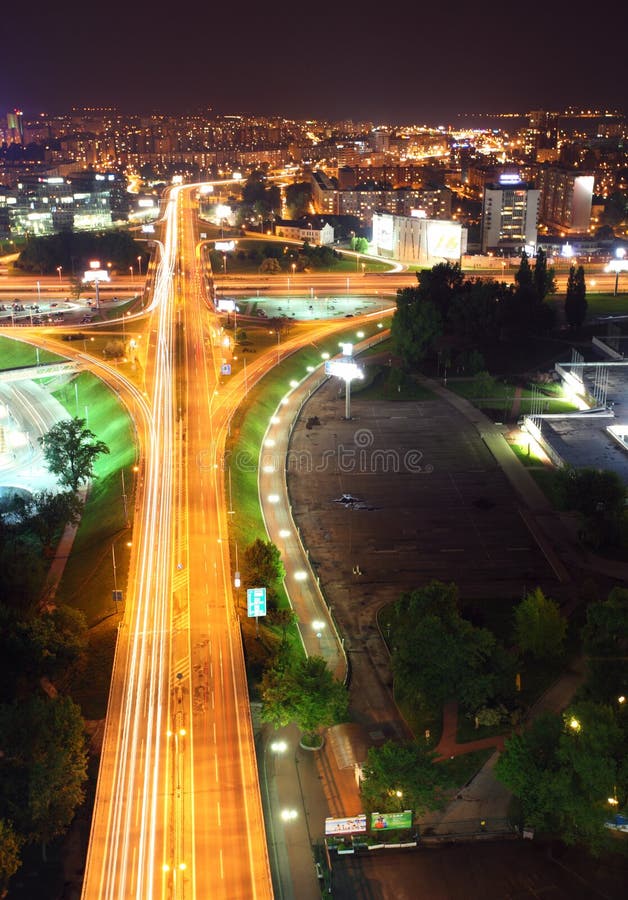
{"points": [[139, 264], [59, 270], [96, 275], [318, 627], [288, 814], [617, 265], [574, 724], [347, 369]]}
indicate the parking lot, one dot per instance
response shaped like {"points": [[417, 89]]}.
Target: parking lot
{"points": [[431, 502]]}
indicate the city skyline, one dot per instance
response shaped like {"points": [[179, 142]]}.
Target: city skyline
{"points": [[422, 66]]}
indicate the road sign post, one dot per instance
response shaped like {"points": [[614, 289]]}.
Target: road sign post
{"points": [[256, 604]]}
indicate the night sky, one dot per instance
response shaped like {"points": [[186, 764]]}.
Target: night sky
{"points": [[409, 62]]}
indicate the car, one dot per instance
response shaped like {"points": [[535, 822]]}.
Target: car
{"points": [[349, 316], [53, 304]]}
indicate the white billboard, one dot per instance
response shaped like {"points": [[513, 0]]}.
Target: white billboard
{"points": [[383, 232], [444, 239]]}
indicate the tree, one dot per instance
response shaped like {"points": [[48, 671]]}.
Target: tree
{"points": [[539, 627], [262, 567], [298, 197], [576, 298], [438, 655], [599, 495], [484, 384], [564, 769], [359, 244], [305, 693], [523, 275], [604, 638], [407, 769], [270, 266], [281, 618], [10, 861], [114, 349], [544, 279], [417, 324], [44, 513], [44, 765], [70, 450], [76, 287]]}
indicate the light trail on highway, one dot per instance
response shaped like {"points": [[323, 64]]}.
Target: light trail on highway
{"points": [[177, 811]]}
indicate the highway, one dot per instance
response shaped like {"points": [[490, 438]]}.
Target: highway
{"points": [[177, 811]]}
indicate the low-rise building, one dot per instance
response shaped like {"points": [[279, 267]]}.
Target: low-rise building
{"points": [[313, 229]]}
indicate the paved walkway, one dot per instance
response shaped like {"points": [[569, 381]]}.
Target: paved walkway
{"points": [[448, 745], [62, 554]]}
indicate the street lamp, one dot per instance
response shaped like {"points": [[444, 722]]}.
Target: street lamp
{"points": [[620, 254], [139, 264], [347, 369], [278, 340], [59, 270]]}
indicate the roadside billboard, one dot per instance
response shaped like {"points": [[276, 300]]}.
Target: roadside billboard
{"points": [[388, 821], [350, 825]]}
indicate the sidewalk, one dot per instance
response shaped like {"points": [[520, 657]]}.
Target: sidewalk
{"points": [[61, 556], [448, 746]]}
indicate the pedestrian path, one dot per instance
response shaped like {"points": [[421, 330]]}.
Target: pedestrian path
{"points": [[448, 746], [59, 561]]}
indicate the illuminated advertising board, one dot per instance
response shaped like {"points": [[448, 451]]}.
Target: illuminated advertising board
{"points": [[389, 821], [350, 825], [383, 232], [509, 178], [444, 239], [225, 246]]}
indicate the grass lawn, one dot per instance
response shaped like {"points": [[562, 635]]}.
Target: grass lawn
{"points": [[464, 766], [87, 580], [380, 384], [14, 354], [502, 396], [599, 304], [239, 263]]}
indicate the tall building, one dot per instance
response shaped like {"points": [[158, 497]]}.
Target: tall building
{"points": [[509, 215], [566, 198], [15, 126], [542, 132]]}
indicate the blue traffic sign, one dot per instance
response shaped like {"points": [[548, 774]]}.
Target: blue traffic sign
{"points": [[256, 602], [225, 369]]}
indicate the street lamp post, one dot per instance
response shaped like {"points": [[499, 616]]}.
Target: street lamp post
{"points": [[59, 270], [38, 293], [131, 271], [139, 265], [620, 254]]}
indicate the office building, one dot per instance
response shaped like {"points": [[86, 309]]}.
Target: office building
{"points": [[509, 216], [566, 198]]}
